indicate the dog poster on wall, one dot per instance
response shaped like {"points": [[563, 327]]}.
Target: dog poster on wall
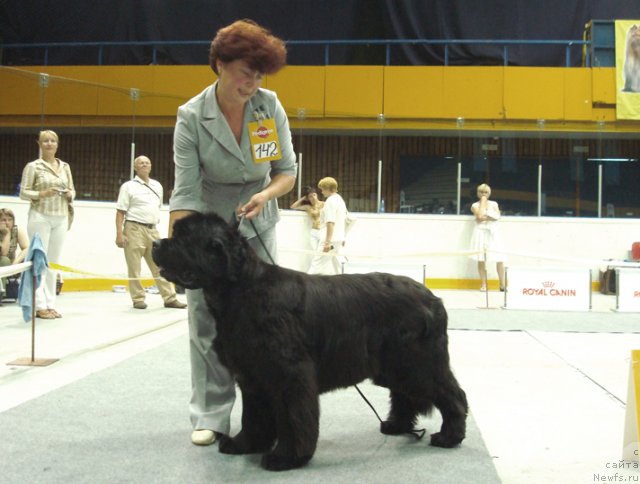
{"points": [[627, 69]]}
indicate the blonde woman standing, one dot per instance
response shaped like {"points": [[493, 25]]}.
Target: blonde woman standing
{"points": [[486, 236], [333, 219], [47, 183]]}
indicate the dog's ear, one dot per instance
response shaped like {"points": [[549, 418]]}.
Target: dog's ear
{"points": [[222, 259]]}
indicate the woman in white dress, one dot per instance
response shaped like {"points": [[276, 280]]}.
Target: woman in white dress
{"points": [[486, 236]]}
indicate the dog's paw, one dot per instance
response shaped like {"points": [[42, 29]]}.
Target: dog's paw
{"points": [[240, 444], [275, 462], [440, 439], [226, 445], [391, 427]]}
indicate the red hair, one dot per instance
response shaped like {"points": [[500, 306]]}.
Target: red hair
{"points": [[246, 40]]}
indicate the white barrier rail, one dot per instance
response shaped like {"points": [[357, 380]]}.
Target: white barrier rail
{"points": [[13, 269]]}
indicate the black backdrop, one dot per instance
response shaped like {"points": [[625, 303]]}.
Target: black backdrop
{"points": [[37, 21]]}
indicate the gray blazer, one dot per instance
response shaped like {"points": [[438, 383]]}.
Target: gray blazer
{"points": [[213, 173]]}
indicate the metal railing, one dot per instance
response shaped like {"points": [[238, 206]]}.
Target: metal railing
{"points": [[327, 44]]}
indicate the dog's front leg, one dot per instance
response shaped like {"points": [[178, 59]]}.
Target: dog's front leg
{"points": [[297, 411], [258, 431]]}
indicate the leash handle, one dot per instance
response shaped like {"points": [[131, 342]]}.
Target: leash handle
{"points": [[262, 242], [253, 226]]}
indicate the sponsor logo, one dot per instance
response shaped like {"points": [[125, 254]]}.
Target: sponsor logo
{"points": [[548, 288], [262, 132]]}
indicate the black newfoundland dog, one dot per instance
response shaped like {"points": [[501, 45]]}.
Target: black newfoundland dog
{"points": [[287, 337]]}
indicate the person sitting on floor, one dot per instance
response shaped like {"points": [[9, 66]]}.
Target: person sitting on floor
{"points": [[14, 244]]}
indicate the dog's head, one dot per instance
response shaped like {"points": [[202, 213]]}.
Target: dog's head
{"points": [[203, 251]]}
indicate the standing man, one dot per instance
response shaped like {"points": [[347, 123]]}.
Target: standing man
{"points": [[138, 213], [333, 219]]}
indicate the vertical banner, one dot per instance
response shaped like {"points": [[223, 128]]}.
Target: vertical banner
{"points": [[627, 289], [631, 435], [627, 69]]}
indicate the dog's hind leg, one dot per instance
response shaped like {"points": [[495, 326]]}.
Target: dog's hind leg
{"points": [[297, 411], [451, 401], [402, 415], [258, 431]]}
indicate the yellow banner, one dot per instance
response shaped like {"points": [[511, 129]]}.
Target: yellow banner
{"points": [[628, 69]]}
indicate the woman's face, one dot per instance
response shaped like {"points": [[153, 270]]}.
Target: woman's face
{"points": [[312, 197], [237, 82], [6, 221], [48, 144], [483, 192]]}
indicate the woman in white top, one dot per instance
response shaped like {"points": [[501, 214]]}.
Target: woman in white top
{"points": [[333, 218], [486, 236], [48, 185]]}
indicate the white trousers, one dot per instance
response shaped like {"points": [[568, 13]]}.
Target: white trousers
{"points": [[52, 230], [326, 263], [213, 387]]}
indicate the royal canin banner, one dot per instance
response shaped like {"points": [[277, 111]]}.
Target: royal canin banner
{"points": [[548, 289], [628, 290]]}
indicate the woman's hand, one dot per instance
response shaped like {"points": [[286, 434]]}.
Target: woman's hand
{"points": [[254, 206], [50, 192]]}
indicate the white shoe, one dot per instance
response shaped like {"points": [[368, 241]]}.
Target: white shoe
{"points": [[203, 437]]}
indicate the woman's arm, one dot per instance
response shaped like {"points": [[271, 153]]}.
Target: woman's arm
{"points": [[71, 189], [480, 210], [23, 243], [281, 184], [298, 205], [27, 190]]}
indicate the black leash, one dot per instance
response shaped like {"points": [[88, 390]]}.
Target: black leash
{"points": [[417, 433]]}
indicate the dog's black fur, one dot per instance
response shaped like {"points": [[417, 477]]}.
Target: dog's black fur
{"points": [[287, 337]]}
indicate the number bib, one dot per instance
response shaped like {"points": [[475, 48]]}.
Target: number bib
{"points": [[263, 137]]}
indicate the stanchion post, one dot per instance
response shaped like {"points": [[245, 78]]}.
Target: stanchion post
{"points": [[33, 361], [486, 279], [33, 319]]}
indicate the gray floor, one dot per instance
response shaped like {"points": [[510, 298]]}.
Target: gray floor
{"points": [[547, 394]]}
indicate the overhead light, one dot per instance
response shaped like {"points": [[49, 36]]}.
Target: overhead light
{"points": [[617, 160]]}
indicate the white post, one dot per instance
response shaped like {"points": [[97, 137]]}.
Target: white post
{"points": [[459, 187], [133, 157], [379, 184], [539, 189], [299, 176], [600, 190], [134, 94]]}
